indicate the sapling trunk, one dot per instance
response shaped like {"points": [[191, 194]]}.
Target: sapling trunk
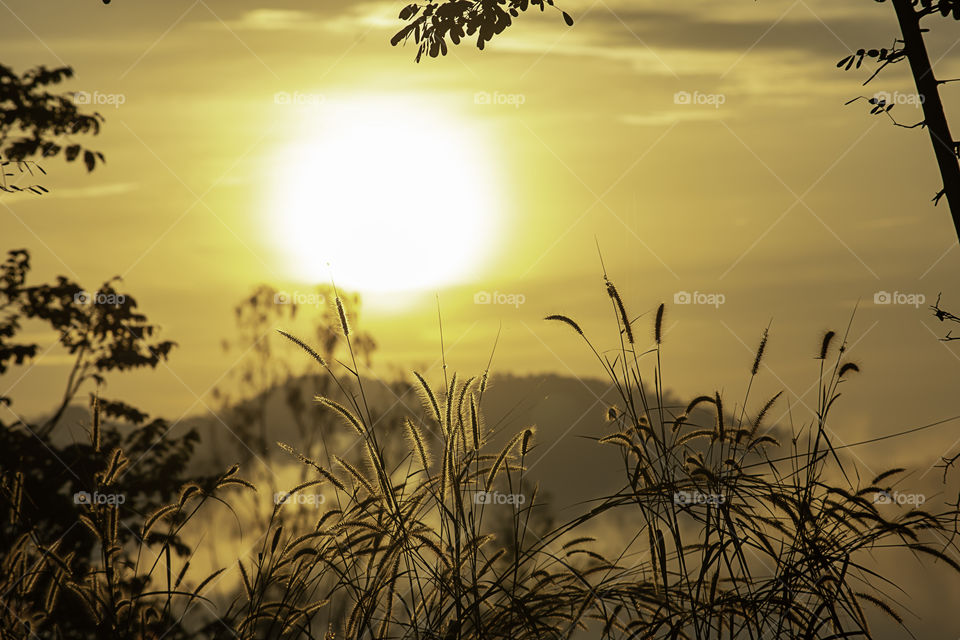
{"points": [[934, 117]]}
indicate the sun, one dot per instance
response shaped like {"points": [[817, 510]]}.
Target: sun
{"points": [[385, 195]]}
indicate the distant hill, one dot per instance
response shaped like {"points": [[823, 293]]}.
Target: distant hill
{"points": [[566, 411]]}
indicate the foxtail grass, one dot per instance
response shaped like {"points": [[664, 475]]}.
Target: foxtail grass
{"points": [[738, 526]]}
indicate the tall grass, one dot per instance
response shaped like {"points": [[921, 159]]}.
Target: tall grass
{"points": [[738, 534], [747, 537]]}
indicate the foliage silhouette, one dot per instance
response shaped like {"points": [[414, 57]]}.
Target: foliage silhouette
{"points": [[432, 23], [37, 123], [406, 548], [102, 330], [45, 535], [911, 46], [260, 370]]}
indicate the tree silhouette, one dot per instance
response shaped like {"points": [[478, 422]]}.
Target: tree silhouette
{"points": [[41, 476], [37, 123], [431, 23], [912, 47], [943, 315], [263, 369], [102, 330]]}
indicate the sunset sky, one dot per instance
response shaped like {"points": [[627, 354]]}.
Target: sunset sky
{"points": [[229, 163]]}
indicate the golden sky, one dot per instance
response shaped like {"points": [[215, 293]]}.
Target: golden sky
{"points": [[764, 191]]}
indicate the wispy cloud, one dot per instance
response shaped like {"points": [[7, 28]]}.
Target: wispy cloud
{"points": [[364, 15], [276, 20], [93, 191], [625, 31], [667, 118]]}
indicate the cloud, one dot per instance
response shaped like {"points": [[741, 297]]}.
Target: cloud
{"points": [[274, 20], [666, 118], [363, 15], [96, 191], [621, 32], [797, 30]]}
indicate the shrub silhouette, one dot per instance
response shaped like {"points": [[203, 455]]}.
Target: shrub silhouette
{"points": [[51, 544], [37, 123]]}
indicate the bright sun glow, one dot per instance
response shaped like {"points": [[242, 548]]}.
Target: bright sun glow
{"points": [[385, 195]]}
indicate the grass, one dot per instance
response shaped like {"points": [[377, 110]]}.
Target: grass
{"points": [[740, 528]]}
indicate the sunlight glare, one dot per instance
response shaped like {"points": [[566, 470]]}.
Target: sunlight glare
{"points": [[385, 195]]}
